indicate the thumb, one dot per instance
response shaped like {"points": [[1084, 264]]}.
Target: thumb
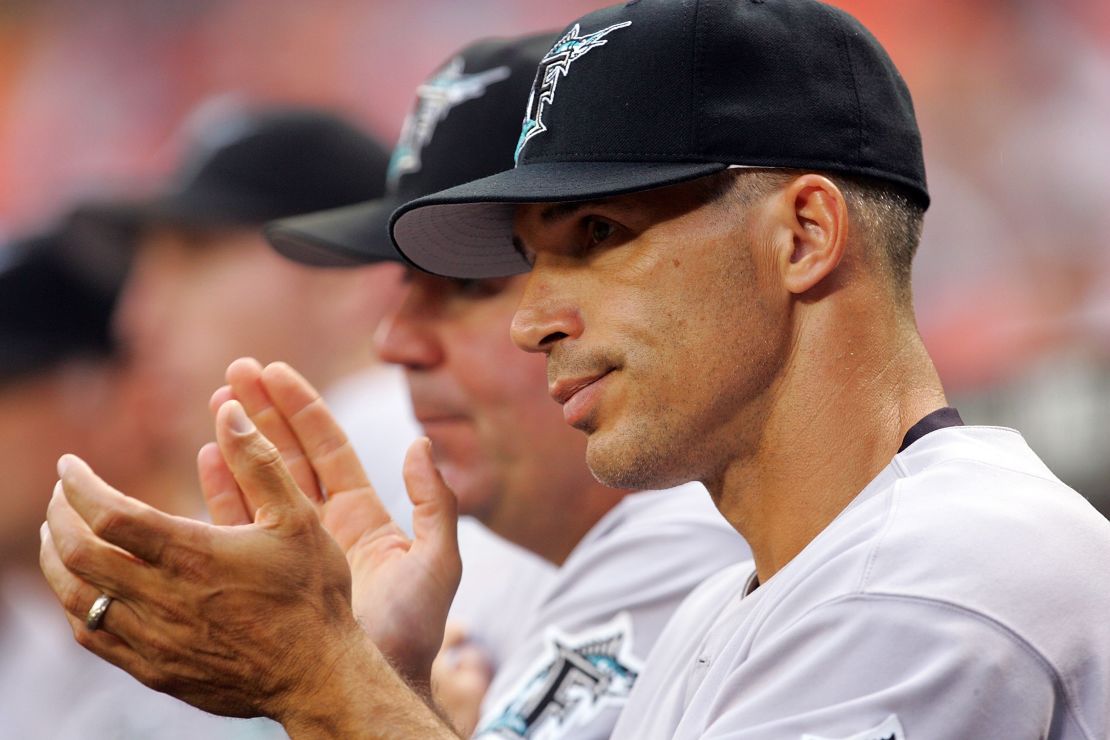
{"points": [[435, 518], [256, 464]]}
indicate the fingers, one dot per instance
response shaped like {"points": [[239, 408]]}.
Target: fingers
{"points": [[435, 511], [256, 466], [325, 443], [244, 377], [77, 597], [84, 505], [221, 396], [74, 594], [221, 493], [461, 675]]}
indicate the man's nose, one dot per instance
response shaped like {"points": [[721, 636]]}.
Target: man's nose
{"points": [[404, 338], [543, 316], [144, 308]]}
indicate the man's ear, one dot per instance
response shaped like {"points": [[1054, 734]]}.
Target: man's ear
{"points": [[815, 214]]}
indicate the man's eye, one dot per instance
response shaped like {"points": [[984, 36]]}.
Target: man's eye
{"points": [[598, 231], [474, 288]]}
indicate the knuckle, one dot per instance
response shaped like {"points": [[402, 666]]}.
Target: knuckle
{"points": [[263, 456], [157, 651], [329, 446], [156, 680], [75, 554], [191, 564], [72, 599], [108, 522], [84, 637], [303, 522]]}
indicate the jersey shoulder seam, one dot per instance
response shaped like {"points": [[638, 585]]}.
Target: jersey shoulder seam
{"points": [[994, 466]]}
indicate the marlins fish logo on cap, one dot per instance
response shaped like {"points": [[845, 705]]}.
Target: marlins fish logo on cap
{"points": [[555, 64], [434, 100]]}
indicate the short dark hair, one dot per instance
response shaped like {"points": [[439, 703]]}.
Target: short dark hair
{"points": [[888, 214]]}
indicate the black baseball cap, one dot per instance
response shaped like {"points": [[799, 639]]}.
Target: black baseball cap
{"points": [[245, 166], [656, 92], [462, 127], [53, 305]]}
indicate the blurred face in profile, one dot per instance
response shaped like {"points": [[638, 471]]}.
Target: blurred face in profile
{"points": [[498, 438], [83, 406], [198, 299]]}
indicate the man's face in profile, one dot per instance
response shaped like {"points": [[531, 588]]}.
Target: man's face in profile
{"points": [[662, 326], [496, 434], [198, 299]]}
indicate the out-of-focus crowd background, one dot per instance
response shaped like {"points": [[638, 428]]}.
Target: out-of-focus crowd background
{"points": [[1013, 279]]}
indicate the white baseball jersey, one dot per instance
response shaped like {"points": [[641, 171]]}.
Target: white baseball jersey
{"points": [[596, 620], [965, 593]]}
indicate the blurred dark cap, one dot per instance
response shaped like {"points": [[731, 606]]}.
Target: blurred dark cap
{"points": [[246, 167], [54, 305], [463, 126]]}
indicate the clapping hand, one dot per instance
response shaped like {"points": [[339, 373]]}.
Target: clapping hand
{"points": [[401, 588]]}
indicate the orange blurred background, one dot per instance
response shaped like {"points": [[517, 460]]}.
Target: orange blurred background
{"points": [[1013, 278]]}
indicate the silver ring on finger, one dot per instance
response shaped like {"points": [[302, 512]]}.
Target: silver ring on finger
{"points": [[99, 608]]}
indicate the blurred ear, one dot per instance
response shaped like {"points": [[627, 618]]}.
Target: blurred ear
{"points": [[813, 211]]}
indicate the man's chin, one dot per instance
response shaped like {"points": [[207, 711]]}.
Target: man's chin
{"points": [[624, 461]]}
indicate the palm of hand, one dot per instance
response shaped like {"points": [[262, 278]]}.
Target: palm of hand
{"points": [[401, 588], [396, 586]]}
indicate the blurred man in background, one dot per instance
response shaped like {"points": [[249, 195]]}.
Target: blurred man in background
{"points": [[206, 288], [63, 385]]}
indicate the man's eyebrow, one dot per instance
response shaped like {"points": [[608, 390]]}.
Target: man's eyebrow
{"points": [[559, 211]]}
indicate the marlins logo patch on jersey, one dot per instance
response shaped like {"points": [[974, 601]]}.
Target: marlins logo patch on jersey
{"points": [[556, 64], [890, 729], [434, 100], [576, 677]]}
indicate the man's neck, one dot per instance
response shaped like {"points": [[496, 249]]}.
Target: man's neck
{"points": [[553, 535], [852, 396]]}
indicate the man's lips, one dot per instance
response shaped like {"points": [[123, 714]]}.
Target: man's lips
{"points": [[578, 395], [563, 389], [428, 416], [439, 418]]}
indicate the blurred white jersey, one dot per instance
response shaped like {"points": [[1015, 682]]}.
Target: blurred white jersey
{"points": [[597, 618], [965, 593]]}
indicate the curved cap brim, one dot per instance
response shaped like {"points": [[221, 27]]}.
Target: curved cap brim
{"points": [[339, 237], [466, 231], [212, 208]]}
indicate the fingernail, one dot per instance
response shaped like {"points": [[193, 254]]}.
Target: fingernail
{"points": [[63, 465], [240, 422]]}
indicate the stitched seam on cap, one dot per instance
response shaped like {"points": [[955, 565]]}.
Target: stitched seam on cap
{"points": [[697, 94], [842, 36]]}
